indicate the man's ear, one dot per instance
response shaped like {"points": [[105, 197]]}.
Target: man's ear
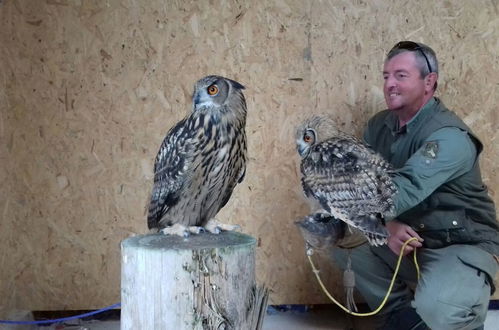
{"points": [[431, 81]]}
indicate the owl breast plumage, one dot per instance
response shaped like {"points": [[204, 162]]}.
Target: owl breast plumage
{"points": [[348, 179], [202, 158]]}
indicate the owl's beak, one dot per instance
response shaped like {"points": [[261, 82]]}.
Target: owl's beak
{"points": [[201, 99], [197, 99], [302, 149]]}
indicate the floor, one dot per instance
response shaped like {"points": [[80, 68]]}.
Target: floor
{"points": [[324, 317]]}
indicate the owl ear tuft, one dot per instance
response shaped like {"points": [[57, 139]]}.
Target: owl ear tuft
{"points": [[235, 84]]}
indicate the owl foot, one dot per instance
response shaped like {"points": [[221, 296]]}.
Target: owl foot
{"points": [[182, 231], [215, 227], [176, 229], [196, 230]]}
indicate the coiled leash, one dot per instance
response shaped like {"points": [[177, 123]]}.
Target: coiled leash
{"points": [[349, 282]]}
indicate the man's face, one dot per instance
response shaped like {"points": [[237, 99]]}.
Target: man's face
{"points": [[404, 88]]}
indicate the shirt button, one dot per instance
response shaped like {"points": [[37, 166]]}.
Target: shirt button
{"points": [[421, 225], [427, 161], [454, 223]]}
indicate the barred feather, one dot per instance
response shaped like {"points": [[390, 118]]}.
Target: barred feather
{"points": [[202, 158], [350, 181]]}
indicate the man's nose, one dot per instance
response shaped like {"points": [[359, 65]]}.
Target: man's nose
{"points": [[390, 82]]}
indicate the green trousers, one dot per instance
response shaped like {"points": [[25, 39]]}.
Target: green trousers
{"points": [[453, 291]]}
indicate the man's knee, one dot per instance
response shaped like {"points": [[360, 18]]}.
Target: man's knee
{"points": [[453, 300], [441, 314]]}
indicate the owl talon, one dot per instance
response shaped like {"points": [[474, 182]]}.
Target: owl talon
{"points": [[215, 227], [196, 230], [176, 229], [227, 227], [236, 227]]}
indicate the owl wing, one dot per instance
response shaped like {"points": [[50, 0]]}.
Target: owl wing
{"points": [[171, 169], [352, 183], [238, 159]]}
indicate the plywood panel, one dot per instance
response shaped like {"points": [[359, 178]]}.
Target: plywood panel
{"points": [[89, 88]]}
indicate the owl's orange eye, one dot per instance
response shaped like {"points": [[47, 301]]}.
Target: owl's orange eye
{"points": [[307, 138], [212, 90]]}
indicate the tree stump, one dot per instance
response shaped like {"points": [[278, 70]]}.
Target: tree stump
{"points": [[204, 281]]}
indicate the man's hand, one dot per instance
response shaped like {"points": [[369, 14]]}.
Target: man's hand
{"points": [[399, 234]]}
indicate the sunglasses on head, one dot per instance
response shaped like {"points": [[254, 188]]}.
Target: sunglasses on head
{"points": [[412, 46]]}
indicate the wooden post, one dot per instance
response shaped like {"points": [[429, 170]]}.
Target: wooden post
{"points": [[204, 281]]}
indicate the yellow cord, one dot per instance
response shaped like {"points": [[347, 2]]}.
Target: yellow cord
{"points": [[316, 272]]}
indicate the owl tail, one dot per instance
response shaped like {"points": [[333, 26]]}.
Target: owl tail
{"points": [[372, 227], [349, 285], [377, 239]]}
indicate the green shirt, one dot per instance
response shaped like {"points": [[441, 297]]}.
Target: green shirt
{"points": [[446, 154], [441, 193]]}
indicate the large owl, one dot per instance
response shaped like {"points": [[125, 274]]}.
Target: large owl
{"points": [[349, 180], [201, 160]]}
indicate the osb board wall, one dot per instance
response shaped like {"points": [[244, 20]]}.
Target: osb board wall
{"points": [[89, 88]]}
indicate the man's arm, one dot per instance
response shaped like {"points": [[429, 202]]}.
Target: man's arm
{"points": [[445, 155]]}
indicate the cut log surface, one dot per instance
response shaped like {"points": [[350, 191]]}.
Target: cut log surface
{"points": [[204, 281]]}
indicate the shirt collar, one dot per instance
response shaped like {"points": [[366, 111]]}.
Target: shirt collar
{"points": [[392, 121]]}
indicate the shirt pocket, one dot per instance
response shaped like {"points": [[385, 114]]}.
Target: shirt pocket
{"points": [[440, 228]]}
